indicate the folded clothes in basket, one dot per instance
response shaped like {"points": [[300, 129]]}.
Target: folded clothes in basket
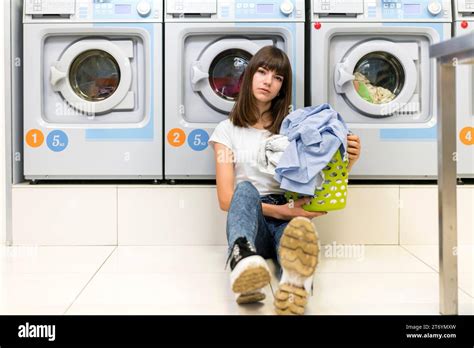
{"points": [[314, 135]]}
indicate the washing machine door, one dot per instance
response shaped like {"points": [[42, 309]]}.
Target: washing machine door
{"points": [[218, 73], [378, 77], [94, 76]]}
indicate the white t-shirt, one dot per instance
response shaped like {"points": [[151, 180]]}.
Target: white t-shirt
{"points": [[245, 143]]}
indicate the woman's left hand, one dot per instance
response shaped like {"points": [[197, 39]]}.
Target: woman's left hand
{"points": [[353, 148]]}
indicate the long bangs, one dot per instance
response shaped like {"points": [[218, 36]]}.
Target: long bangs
{"points": [[276, 61], [245, 112]]}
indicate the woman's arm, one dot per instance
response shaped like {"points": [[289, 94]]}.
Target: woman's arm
{"points": [[225, 189], [224, 175], [290, 210], [353, 149]]}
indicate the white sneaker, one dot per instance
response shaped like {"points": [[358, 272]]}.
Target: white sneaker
{"points": [[299, 256], [250, 272]]}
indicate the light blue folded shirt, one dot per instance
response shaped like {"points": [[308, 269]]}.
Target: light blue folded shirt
{"points": [[315, 134]]}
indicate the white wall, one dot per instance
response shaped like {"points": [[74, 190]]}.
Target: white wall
{"points": [[2, 124]]}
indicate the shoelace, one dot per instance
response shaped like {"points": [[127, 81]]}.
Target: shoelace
{"points": [[235, 250], [251, 247], [236, 253]]}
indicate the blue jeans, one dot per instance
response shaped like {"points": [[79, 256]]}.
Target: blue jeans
{"points": [[245, 219]]}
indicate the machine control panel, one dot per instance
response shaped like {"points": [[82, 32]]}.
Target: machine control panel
{"points": [[191, 6], [229, 10], [143, 8], [122, 8], [339, 6], [435, 8], [57, 7], [396, 10], [94, 10], [416, 9], [466, 6], [287, 7], [263, 8]]}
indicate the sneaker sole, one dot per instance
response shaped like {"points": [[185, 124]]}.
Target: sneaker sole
{"points": [[299, 254], [251, 279], [290, 300], [252, 274], [251, 297]]}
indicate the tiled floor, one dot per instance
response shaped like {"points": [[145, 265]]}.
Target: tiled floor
{"points": [[429, 255], [192, 280]]}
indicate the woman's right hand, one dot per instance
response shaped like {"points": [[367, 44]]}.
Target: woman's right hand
{"points": [[294, 209]]}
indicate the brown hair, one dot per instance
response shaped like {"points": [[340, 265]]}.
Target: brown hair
{"points": [[245, 112]]}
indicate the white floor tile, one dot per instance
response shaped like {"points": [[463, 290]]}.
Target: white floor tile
{"points": [[167, 259], [369, 259], [390, 293], [394, 293], [429, 255], [39, 293], [228, 308], [198, 259], [206, 293], [52, 259], [45, 280], [162, 280], [192, 280]]}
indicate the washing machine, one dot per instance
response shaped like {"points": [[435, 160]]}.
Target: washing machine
{"points": [[370, 60], [208, 45], [464, 24], [93, 89]]}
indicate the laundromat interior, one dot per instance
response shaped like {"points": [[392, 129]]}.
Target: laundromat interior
{"points": [[108, 194]]}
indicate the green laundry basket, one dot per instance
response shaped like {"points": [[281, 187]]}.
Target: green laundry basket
{"points": [[333, 193]]}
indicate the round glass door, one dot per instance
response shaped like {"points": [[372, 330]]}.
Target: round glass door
{"points": [[379, 77], [218, 73], [94, 75], [226, 73]]}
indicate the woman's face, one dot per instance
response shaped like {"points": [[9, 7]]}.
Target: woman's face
{"points": [[266, 84]]}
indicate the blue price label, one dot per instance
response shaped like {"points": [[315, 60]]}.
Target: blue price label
{"points": [[198, 139], [57, 141]]}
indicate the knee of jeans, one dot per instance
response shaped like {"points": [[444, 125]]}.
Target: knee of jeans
{"points": [[248, 189]]}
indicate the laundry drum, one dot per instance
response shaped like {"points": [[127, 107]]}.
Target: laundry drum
{"points": [[94, 75], [379, 77], [226, 73]]}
